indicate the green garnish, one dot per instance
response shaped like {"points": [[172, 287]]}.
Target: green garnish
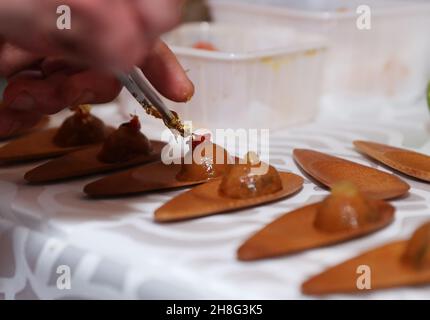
{"points": [[428, 95]]}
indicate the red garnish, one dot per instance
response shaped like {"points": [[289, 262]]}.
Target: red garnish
{"points": [[198, 139], [204, 46], [134, 123]]}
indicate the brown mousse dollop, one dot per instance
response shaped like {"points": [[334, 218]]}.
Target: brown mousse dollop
{"points": [[80, 129], [346, 208], [125, 143], [205, 160], [417, 252], [250, 179]]}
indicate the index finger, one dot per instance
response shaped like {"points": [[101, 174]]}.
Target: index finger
{"points": [[166, 74]]}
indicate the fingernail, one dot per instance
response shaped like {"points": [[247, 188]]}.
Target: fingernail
{"points": [[188, 97], [86, 97], [190, 91], [23, 102]]}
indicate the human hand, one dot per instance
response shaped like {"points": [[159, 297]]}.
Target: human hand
{"points": [[106, 33], [49, 69], [38, 86]]}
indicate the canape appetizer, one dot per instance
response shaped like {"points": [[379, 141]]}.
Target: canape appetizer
{"points": [[244, 185], [397, 264], [343, 215], [126, 146], [203, 162], [78, 131]]}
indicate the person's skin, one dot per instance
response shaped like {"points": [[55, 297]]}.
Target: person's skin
{"points": [[49, 69]]}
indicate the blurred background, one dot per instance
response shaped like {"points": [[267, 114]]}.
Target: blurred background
{"points": [[388, 64]]}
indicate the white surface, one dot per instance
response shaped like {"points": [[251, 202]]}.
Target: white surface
{"points": [[115, 249], [389, 62], [264, 74]]}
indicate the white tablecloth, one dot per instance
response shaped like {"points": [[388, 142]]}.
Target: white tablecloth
{"points": [[115, 250]]}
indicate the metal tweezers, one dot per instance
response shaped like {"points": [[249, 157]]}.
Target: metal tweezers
{"points": [[141, 90]]}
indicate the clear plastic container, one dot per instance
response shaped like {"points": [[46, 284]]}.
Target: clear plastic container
{"points": [[391, 61], [262, 77]]}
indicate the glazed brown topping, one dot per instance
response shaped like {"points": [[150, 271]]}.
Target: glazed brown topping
{"points": [[81, 128], [345, 209], [205, 160], [252, 179], [417, 252], [126, 143]]}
